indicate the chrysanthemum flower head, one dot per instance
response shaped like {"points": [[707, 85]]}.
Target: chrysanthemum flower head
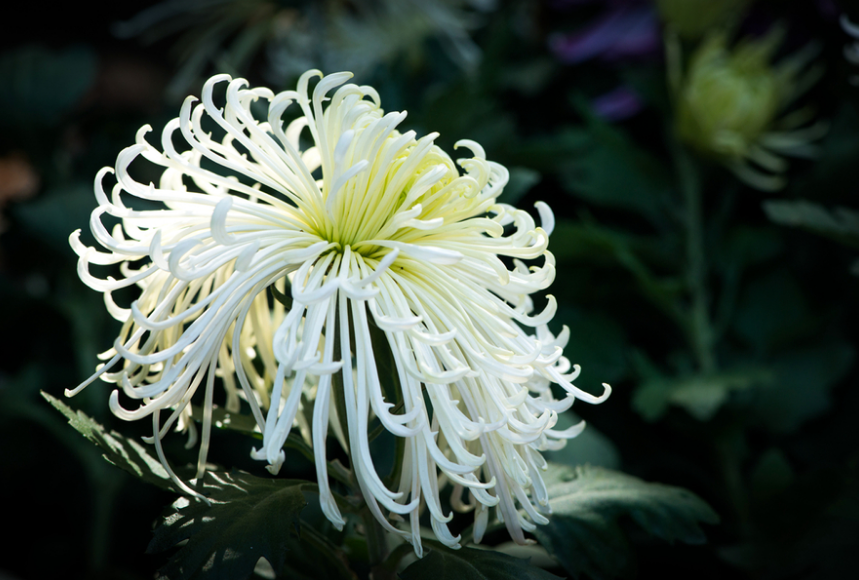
{"points": [[370, 232], [732, 105]]}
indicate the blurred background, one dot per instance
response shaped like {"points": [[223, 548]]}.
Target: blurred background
{"points": [[702, 160]]}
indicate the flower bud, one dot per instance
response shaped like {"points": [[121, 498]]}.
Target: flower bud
{"points": [[730, 105], [694, 18], [728, 99]]}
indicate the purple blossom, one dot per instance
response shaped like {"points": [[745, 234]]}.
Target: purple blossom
{"points": [[625, 30], [618, 104]]}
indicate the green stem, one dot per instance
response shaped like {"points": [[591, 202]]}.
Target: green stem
{"points": [[701, 332], [323, 546], [699, 328], [377, 547], [730, 463], [388, 569], [108, 486]]}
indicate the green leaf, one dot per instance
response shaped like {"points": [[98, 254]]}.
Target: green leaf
{"points": [[40, 86], [598, 343], [57, 213], [771, 476], [840, 224], [745, 246], [803, 379], [125, 453], [612, 171], [834, 172], [521, 181], [591, 447], [529, 77], [223, 419], [648, 82], [773, 311], [247, 425], [591, 241], [585, 533], [472, 564], [701, 395], [594, 243], [546, 153], [249, 518]]}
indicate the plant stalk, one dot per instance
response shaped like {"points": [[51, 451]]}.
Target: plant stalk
{"points": [[700, 329]]}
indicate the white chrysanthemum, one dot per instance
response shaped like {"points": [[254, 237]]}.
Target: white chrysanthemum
{"points": [[370, 227]]}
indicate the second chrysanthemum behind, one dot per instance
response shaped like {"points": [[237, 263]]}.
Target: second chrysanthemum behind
{"points": [[371, 232], [733, 104]]}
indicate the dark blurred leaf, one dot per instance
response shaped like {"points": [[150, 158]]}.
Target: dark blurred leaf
{"points": [[600, 245], [249, 518], [464, 108], [649, 83], [40, 86], [587, 240], [803, 379], [588, 504], [701, 395], [834, 172], [54, 215], [521, 181], [472, 564], [529, 77], [589, 448], [598, 343], [809, 523], [597, 339], [546, 153], [745, 246], [118, 450], [613, 171], [772, 311], [771, 476], [826, 547], [840, 224]]}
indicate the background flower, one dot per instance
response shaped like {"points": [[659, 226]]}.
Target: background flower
{"points": [[732, 105]]}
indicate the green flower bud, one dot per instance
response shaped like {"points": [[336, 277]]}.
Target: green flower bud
{"points": [[728, 99], [729, 104], [694, 18]]}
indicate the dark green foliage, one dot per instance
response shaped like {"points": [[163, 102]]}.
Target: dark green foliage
{"points": [[803, 379], [598, 343], [700, 395], [589, 505], [52, 214], [123, 452], [840, 224], [249, 518], [471, 564], [41, 86], [610, 170], [521, 181]]}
